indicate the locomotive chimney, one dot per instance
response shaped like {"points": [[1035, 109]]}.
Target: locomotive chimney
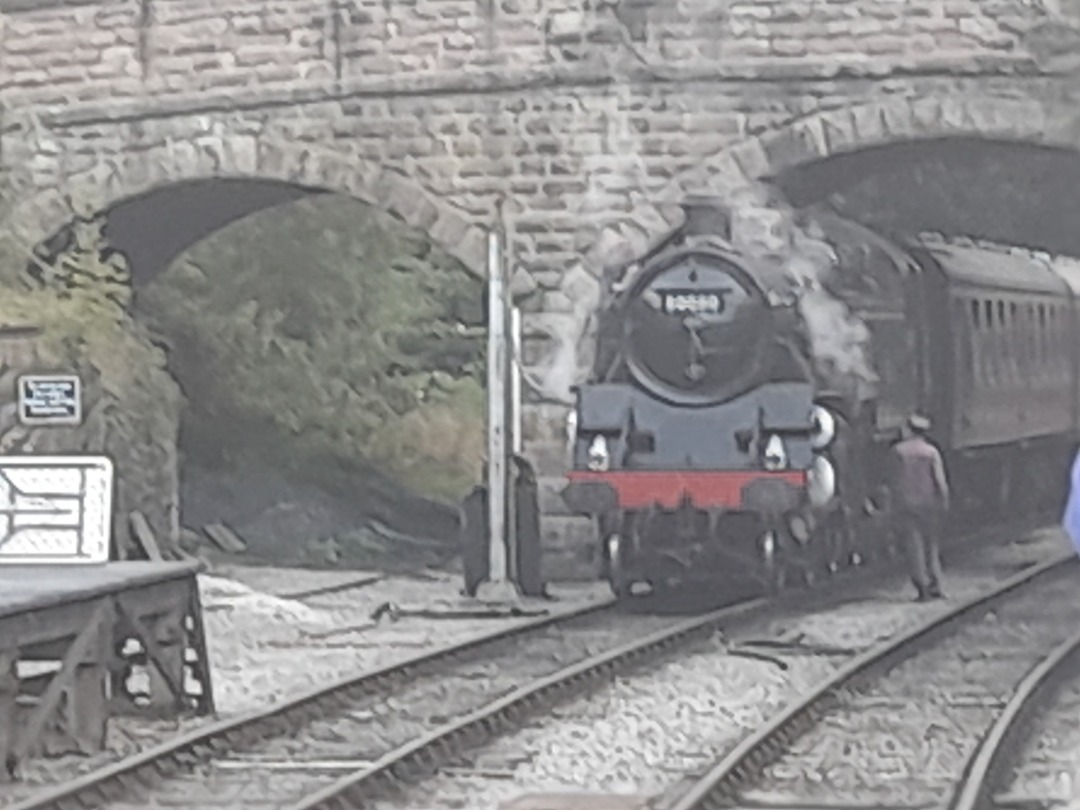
{"points": [[706, 216]]}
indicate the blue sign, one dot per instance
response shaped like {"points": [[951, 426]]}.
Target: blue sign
{"points": [[50, 400]]}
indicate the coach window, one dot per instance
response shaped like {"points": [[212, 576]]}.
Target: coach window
{"points": [[975, 341], [1015, 355], [1023, 326], [1061, 324], [994, 346], [1041, 338], [979, 339], [1036, 335], [1028, 339], [1035, 350], [1052, 334]]}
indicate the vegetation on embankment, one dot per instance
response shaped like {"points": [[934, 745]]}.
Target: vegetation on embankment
{"points": [[327, 344], [330, 362], [76, 305]]}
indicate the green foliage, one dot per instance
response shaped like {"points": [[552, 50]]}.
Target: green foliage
{"points": [[13, 256], [327, 331], [80, 302]]}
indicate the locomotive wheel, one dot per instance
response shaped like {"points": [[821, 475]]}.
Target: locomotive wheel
{"points": [[616, 570]]}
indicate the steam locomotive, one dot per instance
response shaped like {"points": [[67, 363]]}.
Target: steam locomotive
{"points": [[743, 402]]}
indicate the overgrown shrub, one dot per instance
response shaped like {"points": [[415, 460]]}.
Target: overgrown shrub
{"points": [[323, 332], [78, 301]]}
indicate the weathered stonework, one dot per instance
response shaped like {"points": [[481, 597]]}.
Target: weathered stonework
{"points": [[585, 120]]}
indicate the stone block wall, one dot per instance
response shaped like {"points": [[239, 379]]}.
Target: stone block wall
{"points": [[573, 124], [53, 50]]}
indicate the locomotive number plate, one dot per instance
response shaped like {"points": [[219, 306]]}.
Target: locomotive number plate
{"points": [[709, 303]]}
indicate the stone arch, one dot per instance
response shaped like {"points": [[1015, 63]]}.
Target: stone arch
{"points": [[734, 172], [121, 176]]}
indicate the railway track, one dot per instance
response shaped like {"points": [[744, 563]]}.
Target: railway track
{"points": [[341, 745], [882, 732], [289, 750], [1048, 695]]}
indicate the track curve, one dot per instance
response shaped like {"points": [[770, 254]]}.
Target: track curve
{"points": [[770, 758]]}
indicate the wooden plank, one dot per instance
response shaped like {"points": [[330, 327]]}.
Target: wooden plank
{"points": [[87, 640], [167, 658], [26, 588], [225, 538], [201, 668], [150, 601], [323, 765], [88, 715], [576, 801], [9, 690], [148, 612], [62, 621], [144, 536], [39, 630]]}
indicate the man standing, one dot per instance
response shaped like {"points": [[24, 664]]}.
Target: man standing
{"points": [[920, 498]]}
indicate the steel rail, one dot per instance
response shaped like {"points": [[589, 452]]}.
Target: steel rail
{"points": [[426, 752], [186, 750], [716, 788], [95, 788], [988, 763]]}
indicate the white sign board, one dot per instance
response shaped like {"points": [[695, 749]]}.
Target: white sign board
{"points": [[55, 509], [50, 399]]}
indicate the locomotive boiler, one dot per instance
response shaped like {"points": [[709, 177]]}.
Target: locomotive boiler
{"points": [[734, 430]]}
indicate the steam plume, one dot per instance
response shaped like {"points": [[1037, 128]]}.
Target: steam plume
{"points": [[768, 229]]}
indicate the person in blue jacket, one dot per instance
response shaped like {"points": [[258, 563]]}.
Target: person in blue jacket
{"points": [[1071, 520]]}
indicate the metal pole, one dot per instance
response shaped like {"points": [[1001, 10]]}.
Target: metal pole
{"points": [[515, 378], [497, 411]]}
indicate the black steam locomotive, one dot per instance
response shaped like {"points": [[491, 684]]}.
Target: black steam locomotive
{"points": [[734, 431]]}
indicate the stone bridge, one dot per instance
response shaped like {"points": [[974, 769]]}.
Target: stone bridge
{"points": [[572, 124]]}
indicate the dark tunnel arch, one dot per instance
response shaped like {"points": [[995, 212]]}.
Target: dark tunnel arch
{"points": [[1009, 191], [154, 228]]}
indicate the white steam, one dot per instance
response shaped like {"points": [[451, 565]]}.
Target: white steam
{"points": [[839, 340], [568, 363]]}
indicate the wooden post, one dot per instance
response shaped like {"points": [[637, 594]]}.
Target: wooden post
{"points": [[497, 411], [9, 734], [513, 408]]}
